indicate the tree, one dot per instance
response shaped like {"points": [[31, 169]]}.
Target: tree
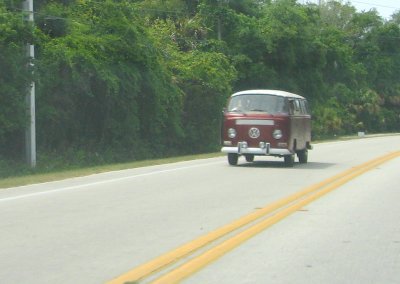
{"points": [[15, 76], [204, 76], [111, 91]]}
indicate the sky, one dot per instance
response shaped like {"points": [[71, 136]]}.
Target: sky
{"points": [[385, 8]]}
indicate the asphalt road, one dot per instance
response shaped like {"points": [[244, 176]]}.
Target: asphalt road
{"points": [[95, 228]]}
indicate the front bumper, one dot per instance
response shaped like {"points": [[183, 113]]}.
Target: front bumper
{"points": [[242, 149]]}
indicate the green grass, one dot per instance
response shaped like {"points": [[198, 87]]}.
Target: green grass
{"points": [[40, 177], [64, 174]]}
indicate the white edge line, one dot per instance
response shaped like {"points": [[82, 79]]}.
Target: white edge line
{"points": [[103, 182]]}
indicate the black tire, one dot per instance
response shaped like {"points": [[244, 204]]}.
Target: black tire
{"points": [[249, 158], [303, 156], [289, 160], [233, 159]]}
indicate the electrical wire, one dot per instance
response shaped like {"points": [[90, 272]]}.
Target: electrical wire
{"points": [[375, 4]]}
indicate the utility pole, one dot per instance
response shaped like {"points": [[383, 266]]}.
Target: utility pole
{"points": [[219, 32], [219, 23], [30, 134], [219, 28]]}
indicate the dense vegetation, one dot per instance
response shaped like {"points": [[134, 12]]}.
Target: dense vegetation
{"points": [[134, 79]]}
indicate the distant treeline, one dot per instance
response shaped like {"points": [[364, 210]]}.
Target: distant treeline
{"points": [[128, 79]]}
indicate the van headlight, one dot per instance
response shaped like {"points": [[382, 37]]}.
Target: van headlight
{"points": [[231, 133], [277, 134]]}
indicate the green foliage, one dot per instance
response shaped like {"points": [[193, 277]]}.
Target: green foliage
{"points": [[327, 119], [111, 90], [53, 20], [206, 79], [367, 106], [15, 77], [125, 80]]}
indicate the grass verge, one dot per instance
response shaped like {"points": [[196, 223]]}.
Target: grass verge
{"points": [[59, 175], [64, 174]]}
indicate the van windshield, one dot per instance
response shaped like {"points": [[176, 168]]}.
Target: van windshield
{"points": [[258, 103]]}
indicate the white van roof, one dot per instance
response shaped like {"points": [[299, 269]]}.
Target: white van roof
{"points": [[268, 92]]}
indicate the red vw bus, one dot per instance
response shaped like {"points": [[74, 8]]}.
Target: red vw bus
{"points": [[266, 123]]}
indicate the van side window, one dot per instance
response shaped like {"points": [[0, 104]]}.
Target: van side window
{"points": [[303, 107], [307, 108], [297, 109], [291, 107]]}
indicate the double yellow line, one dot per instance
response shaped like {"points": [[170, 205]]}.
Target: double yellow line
{"points": [[262, 218]]}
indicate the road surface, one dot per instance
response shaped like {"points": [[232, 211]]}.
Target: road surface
{"points": [[94, 229]]}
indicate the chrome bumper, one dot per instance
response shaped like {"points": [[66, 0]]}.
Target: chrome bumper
{"points": [[242, 149]]}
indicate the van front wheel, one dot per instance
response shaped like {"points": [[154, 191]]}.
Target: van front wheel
{"points": [[233, 159], [303, 156], [289, 160]]}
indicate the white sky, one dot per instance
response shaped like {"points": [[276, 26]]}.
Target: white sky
{"points": [[385, 8]]}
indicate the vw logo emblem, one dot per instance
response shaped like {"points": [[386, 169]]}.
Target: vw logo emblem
{"points": [[254, 132]]}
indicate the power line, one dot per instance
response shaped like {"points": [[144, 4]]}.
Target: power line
{"points": [[137, 9], [52, 17], [375, 5]]}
